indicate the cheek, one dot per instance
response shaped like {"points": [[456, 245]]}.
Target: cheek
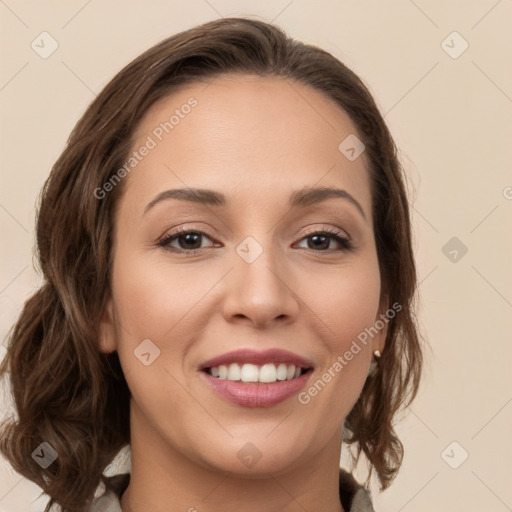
{"points": [[347, 300], [153, 322], [163, 303], [153, 300], [355, 306], [346, 305]]}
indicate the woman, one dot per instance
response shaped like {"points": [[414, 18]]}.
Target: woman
{"points": [[229, 286]]}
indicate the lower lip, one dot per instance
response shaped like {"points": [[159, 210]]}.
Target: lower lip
{"points": [[256, 394]]}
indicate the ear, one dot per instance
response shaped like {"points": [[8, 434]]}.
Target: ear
{"points": [[107, 339]]}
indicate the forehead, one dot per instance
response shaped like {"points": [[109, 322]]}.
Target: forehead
{"points": [[257, 135]]}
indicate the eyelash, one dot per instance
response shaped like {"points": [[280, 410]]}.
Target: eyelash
{"points": [[164, 242]]}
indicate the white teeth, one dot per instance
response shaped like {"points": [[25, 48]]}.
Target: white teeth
{"points": [[223, 371], [268, 373], [252, 373], [282, 372], [249, 373], [234, 372]]}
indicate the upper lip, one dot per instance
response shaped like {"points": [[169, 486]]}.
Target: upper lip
{"points": [[273, 355]]}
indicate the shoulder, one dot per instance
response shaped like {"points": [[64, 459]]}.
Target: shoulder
{"points": [[354, 497], [108, 494]]}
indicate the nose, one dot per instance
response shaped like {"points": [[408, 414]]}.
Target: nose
{"points": [[261, 292]]}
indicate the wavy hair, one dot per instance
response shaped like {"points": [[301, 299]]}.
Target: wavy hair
{"points": [[69, 394]]}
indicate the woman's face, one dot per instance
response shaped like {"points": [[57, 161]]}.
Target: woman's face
{"points": [[261, 291]]}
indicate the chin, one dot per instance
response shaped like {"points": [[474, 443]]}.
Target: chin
{"points": [[253, 459]]}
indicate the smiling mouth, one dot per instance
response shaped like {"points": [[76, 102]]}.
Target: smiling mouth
{"points": [[251, 378], [251, 373]]}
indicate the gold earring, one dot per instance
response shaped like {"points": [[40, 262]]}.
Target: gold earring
{"points": [[373, 365]]}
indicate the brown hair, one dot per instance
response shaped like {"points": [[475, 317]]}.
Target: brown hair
{"points": [[69, 394]]}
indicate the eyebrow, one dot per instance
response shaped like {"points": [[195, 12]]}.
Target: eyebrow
{"points": [[298, 198]]}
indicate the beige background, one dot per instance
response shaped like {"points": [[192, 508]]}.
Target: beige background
{"points": [[451, 118]]}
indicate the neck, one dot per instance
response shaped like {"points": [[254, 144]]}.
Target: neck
{"points": [[163, 479]]}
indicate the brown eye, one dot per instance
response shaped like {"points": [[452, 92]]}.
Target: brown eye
{"points": [[187, 241], [320, 241]]}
